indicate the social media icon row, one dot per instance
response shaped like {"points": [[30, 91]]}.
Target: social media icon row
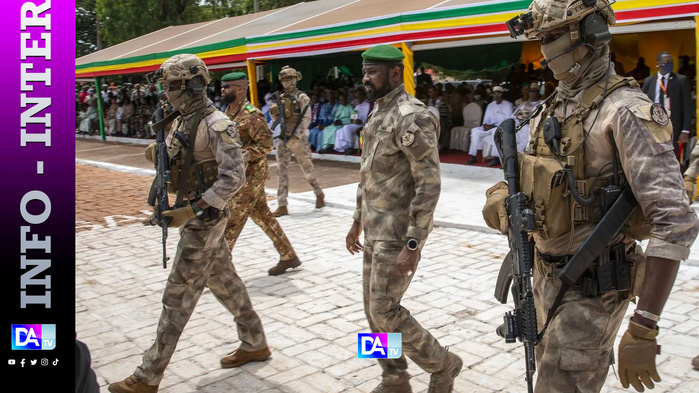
{"points": [[32, 362]]}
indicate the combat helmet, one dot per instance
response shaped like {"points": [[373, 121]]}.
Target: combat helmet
{"points": [[287, 72], [545, 15], [182, 68]]}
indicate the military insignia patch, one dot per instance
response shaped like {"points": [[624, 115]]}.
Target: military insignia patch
{"points": [[407, 139], [232, 132], [659, 115]]}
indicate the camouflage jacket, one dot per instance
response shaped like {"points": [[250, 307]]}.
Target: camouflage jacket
{"points": [[302, 101], [645, 150], [255, 134], [217, 139], [399, 174]]}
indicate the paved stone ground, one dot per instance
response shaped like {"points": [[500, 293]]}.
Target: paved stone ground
{"points": [[311, 316]]}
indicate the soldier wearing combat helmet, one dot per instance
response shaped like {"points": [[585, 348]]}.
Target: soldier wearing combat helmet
{"points": [[251, 200], [204, 151], [597, 130], [400, 170], [294, 141]]}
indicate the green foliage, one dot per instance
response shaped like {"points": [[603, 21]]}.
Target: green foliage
{"points": [[85, 27], [123, 20]]}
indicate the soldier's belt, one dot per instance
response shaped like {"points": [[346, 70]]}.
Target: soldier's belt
{"points": [[610, 271]]}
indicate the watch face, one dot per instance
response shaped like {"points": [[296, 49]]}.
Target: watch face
{"points": [[412, 244]]}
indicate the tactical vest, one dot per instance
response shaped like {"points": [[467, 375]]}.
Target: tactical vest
{"points": [[202, 174], [292, 108], [545, 182]]}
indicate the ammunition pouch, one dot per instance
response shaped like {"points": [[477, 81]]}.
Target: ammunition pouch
{"points": [[542, 180], [613, 270], [202, 176]]}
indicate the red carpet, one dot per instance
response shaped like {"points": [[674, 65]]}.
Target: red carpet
{"points": [[447, 156], [461, 157]]}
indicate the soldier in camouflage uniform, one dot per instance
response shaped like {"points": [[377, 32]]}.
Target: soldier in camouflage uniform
{"points": [[600, 115], [296, 111], [690, 181], [251, 200], [203, 257], [399, 169]]}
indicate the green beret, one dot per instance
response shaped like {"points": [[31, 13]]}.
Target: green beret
{"points": [[382, 54], [234, 76]]}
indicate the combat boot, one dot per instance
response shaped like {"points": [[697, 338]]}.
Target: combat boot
{"points": [[695, 362], [132, 385], [443, 381], [240, 357], [283, 266], [320, 201], [400, 388], [281, 211]]}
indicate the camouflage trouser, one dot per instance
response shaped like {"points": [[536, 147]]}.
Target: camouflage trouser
{"points": [[251, 201], [383, 290], [578, 346], [298, 146], [203, 259]]}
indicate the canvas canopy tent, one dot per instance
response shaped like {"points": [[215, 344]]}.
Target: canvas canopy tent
{"points": [[341, 26]]}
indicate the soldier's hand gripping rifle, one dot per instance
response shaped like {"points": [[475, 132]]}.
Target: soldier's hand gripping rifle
{"points": [[158, 196], [517, 267]]}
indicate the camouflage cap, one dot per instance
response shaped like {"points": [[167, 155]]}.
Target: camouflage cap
{"points": [[382, 54], [551, 14], [234, 76], [288, 72], [183, 67]]}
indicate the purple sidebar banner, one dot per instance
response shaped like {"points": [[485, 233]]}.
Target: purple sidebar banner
{"points": [[38, 187]]}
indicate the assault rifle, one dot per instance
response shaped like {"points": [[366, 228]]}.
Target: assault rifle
{"points": [[618, 203], [519, 324], [281, 120], [158, 196]]}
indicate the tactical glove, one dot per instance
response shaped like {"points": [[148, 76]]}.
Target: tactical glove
{"points": [[150, 153], [689, 184], [179, 216], [274, 110], [494, 212], [637, 352]]}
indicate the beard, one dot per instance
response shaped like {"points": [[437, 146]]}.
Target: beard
{"points": [[228, 98], [373, 93]]}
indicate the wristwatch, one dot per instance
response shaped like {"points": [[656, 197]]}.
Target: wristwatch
{"points": [[198, 211], [412, 244]]}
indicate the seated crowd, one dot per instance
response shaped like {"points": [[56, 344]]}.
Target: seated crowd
{"points": [[468, 115]]}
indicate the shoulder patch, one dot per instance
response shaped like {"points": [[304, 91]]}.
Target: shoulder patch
{"points": [[250, 108], [661, 133], [659, 115], [221, 125]]}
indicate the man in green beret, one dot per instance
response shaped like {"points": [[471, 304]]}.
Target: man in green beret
{"points": [[251, 200], [400, 169]]}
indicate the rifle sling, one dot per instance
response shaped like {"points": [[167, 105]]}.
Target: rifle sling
{"points": [[165, 121], [303, 112], [188, 158]]}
